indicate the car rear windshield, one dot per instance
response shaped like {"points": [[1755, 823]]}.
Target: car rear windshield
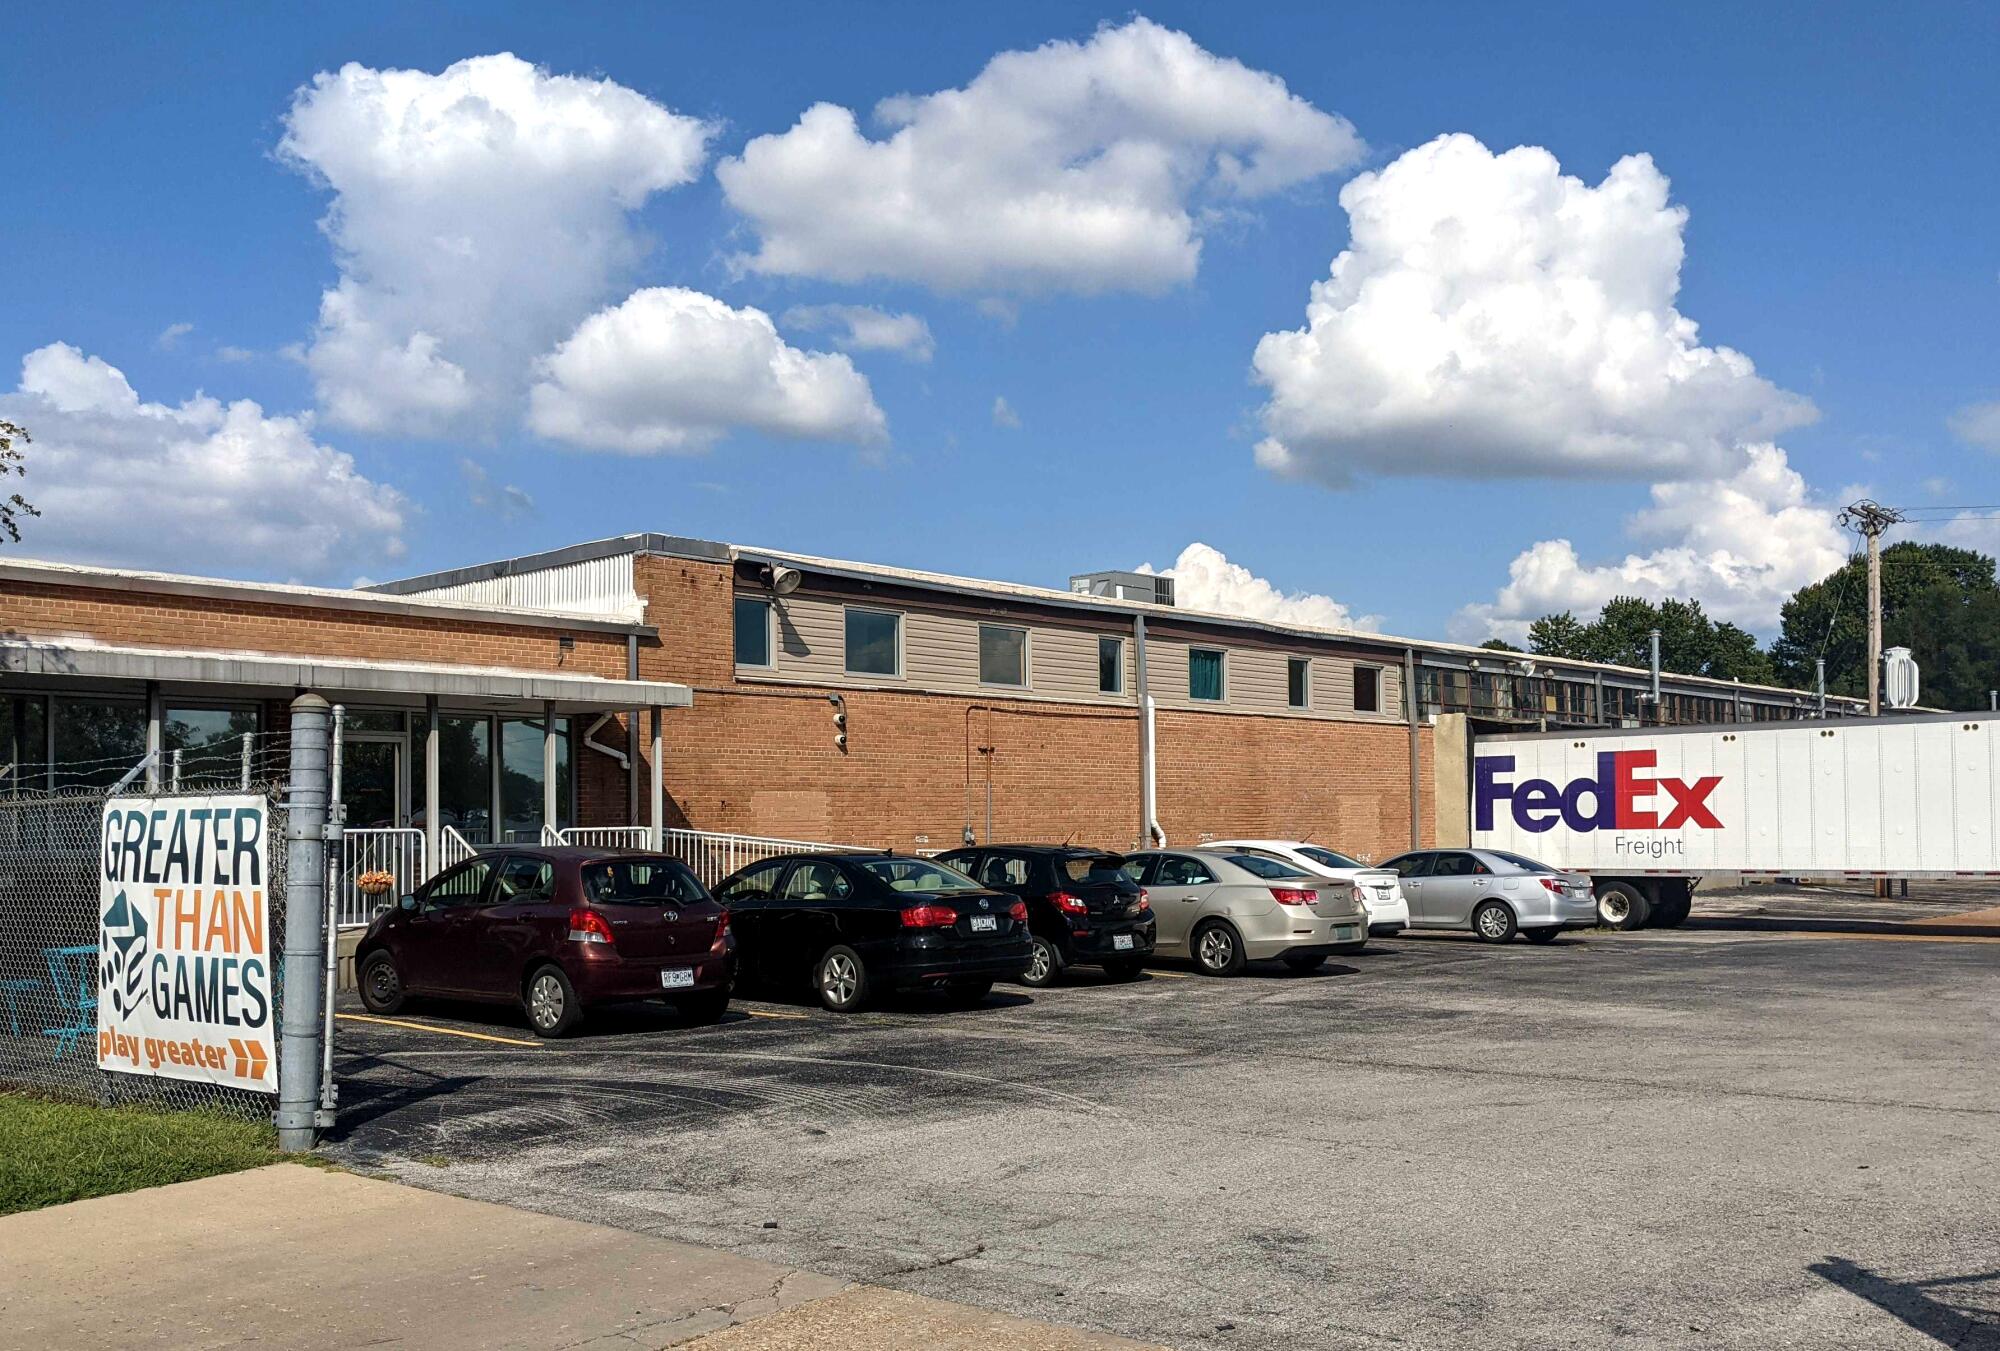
{"points": [[640, 882], [1326, 858], [1521, 861], [1105, 868], [919, 874], [1262, 865]]}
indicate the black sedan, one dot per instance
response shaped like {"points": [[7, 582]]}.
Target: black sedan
{"points": [[1082, 906], [855, 925]]}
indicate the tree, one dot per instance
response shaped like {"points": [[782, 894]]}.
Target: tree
{"points": [[1690, 642], [1499, 645], [1940, 602], [1558, 635], [13, 506]]}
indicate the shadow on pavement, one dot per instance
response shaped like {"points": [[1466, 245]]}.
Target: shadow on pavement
{"points": [[1910, 1301]]}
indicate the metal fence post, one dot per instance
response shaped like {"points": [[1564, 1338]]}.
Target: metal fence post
{"points": [[336, 873], [305, 929]]}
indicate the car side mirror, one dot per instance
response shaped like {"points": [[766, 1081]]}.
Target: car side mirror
{"points": [[407, 903]]}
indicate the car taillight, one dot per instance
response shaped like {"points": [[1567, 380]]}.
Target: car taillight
{"points": [[587, 926], [1360, 896], [1068, 904], [1294, 895], [1018, 911], [1145, 901], [929, 917], [721, 942], [1553, 884]]}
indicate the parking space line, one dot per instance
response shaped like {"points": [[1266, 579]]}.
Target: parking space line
{"points": [[441, 1031], [1173, 975], [760, 1013]]}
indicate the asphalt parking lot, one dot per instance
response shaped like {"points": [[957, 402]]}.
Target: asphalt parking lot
{"points": [[1715, 1136]]}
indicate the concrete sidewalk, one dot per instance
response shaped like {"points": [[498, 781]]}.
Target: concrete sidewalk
{"points": [[300, 1257]]}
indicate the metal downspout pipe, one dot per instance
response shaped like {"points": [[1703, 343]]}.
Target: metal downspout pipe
{"points": [[1150, 833], [1416, 768]]}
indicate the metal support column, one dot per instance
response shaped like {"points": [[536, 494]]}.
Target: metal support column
{"points": [[433, 736], [1416, 744], [659, 786], [549, 766], [154, 740], [305, 926]]}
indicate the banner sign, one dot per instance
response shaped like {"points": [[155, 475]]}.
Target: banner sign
{"points": [[184, 941]]}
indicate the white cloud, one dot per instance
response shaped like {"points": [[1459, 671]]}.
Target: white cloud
{"points": [[1206, 580], [1739, 545], [864, 328], [509, 502], [235, 356], [478, 214], [674, 370], [171, 335], [204, 486], [1004, 414], [1978, 424], [1079, 166], [1493, 316]]}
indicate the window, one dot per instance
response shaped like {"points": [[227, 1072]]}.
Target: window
{"points": [[521, 778], [465, 777], [818, 882], [1004, 870], [1179, 871], [96, 743], [24, 742], [645, 882], [1367, 689], [1458, 865], [753, 632], [874, 643], [1110, 665], [754, 885], [1298, 682], [1327, 858], [523, 880], [918, 874], [1098, 868], [1205, 675], [461, 886], [1411, 865], [1264, 866], [1003, 655]]}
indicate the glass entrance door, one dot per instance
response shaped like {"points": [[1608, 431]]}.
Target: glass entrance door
{"points": [[372, 784]]}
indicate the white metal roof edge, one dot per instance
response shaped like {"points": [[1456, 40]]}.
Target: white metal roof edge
{"points": [[318, 597], [91, 660]]}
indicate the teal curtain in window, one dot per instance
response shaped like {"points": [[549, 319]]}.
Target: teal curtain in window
{"points": [[1205, 675]]}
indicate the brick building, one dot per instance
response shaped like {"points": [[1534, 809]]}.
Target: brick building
{"points": [[791, 696]]}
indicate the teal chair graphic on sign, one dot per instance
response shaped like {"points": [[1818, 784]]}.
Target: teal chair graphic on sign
{"points": [[70, 972]]}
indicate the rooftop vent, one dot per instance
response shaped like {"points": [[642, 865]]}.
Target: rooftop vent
{"points": [[1125, 586]]}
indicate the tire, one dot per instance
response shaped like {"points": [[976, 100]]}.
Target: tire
{"points": [[1493, 922], [550, 1002], [1124, 968], [969, 994], [1217, 950], [1302, 965], [1671, 912], [1045, 964], [381, 984], [840, 978], [702, 1009], [1541, 935], [1622, 907]]}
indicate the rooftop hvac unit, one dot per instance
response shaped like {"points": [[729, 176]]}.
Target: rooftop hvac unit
{"points": [[1899, 678], [1142, 586]]}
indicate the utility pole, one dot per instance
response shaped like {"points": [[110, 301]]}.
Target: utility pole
{"points": [[1871, 519]]}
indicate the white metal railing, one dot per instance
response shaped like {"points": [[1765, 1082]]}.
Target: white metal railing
{"points": [[714, 856], [453, 848], [608, 837], [396, 851], [551, 836]]}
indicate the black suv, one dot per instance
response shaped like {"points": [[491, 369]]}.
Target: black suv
{"points": [[1082, 907]]}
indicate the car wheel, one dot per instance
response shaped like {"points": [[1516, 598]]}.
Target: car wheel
{"points": [[841, 979], [1305, 964], [1493, 922], [1621, 907], [1541, 935], [381, 984], [551, 1003], [1044, 963], [1217, 950], [702, 1009], [967, 994], [1124, 968]]}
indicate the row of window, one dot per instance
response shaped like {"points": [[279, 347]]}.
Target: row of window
{"points": [[874, 647], [50, 742]]}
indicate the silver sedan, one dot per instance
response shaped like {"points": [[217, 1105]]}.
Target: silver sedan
{"points": [[1226, 908], [1492, 893]]}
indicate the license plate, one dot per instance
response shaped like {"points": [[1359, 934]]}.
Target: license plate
{"points": [[1344, 933], [1121, 942], [677, 978], [985, 924]]}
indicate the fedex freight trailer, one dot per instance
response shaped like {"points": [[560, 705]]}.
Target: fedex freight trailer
{"points": [[1649, 812]]}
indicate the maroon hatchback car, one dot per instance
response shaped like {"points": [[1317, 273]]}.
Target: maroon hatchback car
{"points": [[555, 931]]}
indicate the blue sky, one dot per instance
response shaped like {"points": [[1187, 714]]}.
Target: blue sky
{"points": [[1836, 163]]}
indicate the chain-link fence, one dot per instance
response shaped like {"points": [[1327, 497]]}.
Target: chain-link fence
{"points": [[51, 967]]}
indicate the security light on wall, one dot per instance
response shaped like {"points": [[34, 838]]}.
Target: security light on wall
{"points": [[782, 580]]}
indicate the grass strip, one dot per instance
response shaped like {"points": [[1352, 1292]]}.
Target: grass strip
{"points": [[52, 1152]]}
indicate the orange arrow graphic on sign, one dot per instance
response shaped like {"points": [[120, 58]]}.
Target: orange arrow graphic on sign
{"points": [[250, 1058]]}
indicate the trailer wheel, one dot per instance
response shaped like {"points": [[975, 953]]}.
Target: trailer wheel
{"points": [[1670, 912], [1622, 907]]}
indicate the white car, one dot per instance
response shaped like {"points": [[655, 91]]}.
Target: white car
{"points": [[1381, 890]]}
